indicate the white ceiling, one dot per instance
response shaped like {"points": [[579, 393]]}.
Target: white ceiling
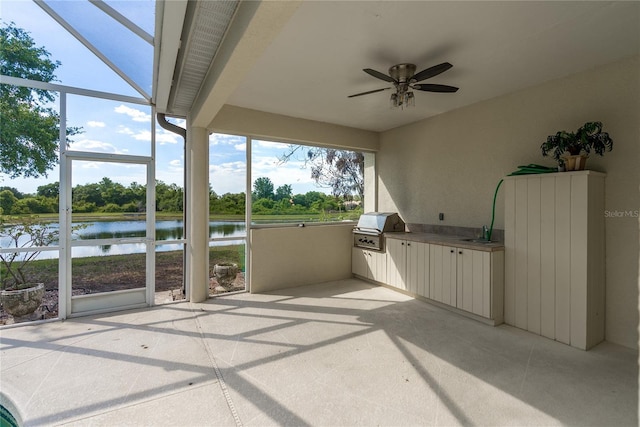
{"points": [[495, 48]]}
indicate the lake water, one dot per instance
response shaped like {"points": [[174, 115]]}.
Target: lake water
{"points": [[165, 230]]}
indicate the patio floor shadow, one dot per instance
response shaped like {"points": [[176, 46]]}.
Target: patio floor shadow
{"points": [[338, 353]]}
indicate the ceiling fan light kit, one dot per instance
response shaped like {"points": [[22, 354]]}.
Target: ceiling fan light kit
{"points": [[404, 79]]}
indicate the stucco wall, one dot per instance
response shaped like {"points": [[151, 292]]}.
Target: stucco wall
{"points": [[293, 256], [452, 163]]}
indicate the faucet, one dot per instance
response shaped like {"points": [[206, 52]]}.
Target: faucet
{"points": [[485, 232]]}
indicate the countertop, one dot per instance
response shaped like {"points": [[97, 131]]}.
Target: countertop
{"points": [[446, 240]]}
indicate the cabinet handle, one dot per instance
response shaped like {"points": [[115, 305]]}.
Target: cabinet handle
{"points": [[452, 251], [460, 252], [408, 244], [402, 243]]}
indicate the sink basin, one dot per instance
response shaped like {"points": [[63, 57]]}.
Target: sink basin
{"points": [[483, 241]]}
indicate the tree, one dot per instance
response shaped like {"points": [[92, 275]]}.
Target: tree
{"points": [[262, 189], [340, 170], [284, 192], [7, 201], [15, 191], [112, 192], [169, 198], [49, 190], [29, 136], [88, 193]]}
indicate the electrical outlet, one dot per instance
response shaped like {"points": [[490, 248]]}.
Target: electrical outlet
{"points": [[441, 216]]}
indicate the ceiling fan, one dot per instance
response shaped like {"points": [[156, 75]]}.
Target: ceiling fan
{"points": [[405, 79]]}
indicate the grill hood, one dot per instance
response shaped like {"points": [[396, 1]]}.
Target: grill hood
{"points": [[380, 222]]}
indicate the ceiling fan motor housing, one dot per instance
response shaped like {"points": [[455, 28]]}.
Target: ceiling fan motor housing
{"points": [[402, 72]]}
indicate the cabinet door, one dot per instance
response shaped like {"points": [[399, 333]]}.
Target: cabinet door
{"points": [[359, 262], [449, 274], [474, 281], [417, 278], [481, 283], [396, 263], [435, 272], [378, 266], [442, 282], [464, 279]]}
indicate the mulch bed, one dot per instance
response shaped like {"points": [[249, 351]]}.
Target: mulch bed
{"points": [[119, 272]]}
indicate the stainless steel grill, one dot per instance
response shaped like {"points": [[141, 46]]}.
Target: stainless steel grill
{"points": [[368, 233]]}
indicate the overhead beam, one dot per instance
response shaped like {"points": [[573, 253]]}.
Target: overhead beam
{"points": [[254, 27], [167, 42]]}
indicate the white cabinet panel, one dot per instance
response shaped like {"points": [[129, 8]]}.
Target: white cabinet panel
{"points": [[378, 266], [417, 278], [563, 260], [547, 257], [533, 254], [467, 279], [369, 264], [359, 262], [396, 263], [464, 279], [471, 280], [443, 266], [474, 281], [510, 255], [554, 260], [520, 249], [408, 266]]}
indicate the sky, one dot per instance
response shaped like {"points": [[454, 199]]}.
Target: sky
{"points": [[125, 128]]}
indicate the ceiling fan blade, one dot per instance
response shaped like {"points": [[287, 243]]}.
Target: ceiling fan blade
{"points": [[379, 75], [431, 72], [368, 92], [435, 88]]}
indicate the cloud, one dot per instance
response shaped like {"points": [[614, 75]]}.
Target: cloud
{"points": [[142, 135], [264, 163], [229, 177], [162, 136], [95, 124], [95, 146], [292, 173], [135, 114], [229, 167], [270, 144], [166, 137], [178, 122], [223, 139], [90, 165], [240, 147]]}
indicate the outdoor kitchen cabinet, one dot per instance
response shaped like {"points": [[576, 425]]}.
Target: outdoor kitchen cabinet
{"points": [[555, 255], [470, 280], [408, 266], [369, 264]]}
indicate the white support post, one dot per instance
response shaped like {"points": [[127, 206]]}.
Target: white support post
{"points": [[151, 217], [64, 217], [247, 216], [198, 240]]}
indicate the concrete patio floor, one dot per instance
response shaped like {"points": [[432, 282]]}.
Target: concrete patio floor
{"points": [[339, 353]]}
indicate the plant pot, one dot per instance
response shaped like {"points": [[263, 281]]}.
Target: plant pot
{"points": [[575, 163], [21, 302], [225, 273]]}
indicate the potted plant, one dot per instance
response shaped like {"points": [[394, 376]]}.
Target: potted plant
{"points": [[578, 144], [19, 295]]}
